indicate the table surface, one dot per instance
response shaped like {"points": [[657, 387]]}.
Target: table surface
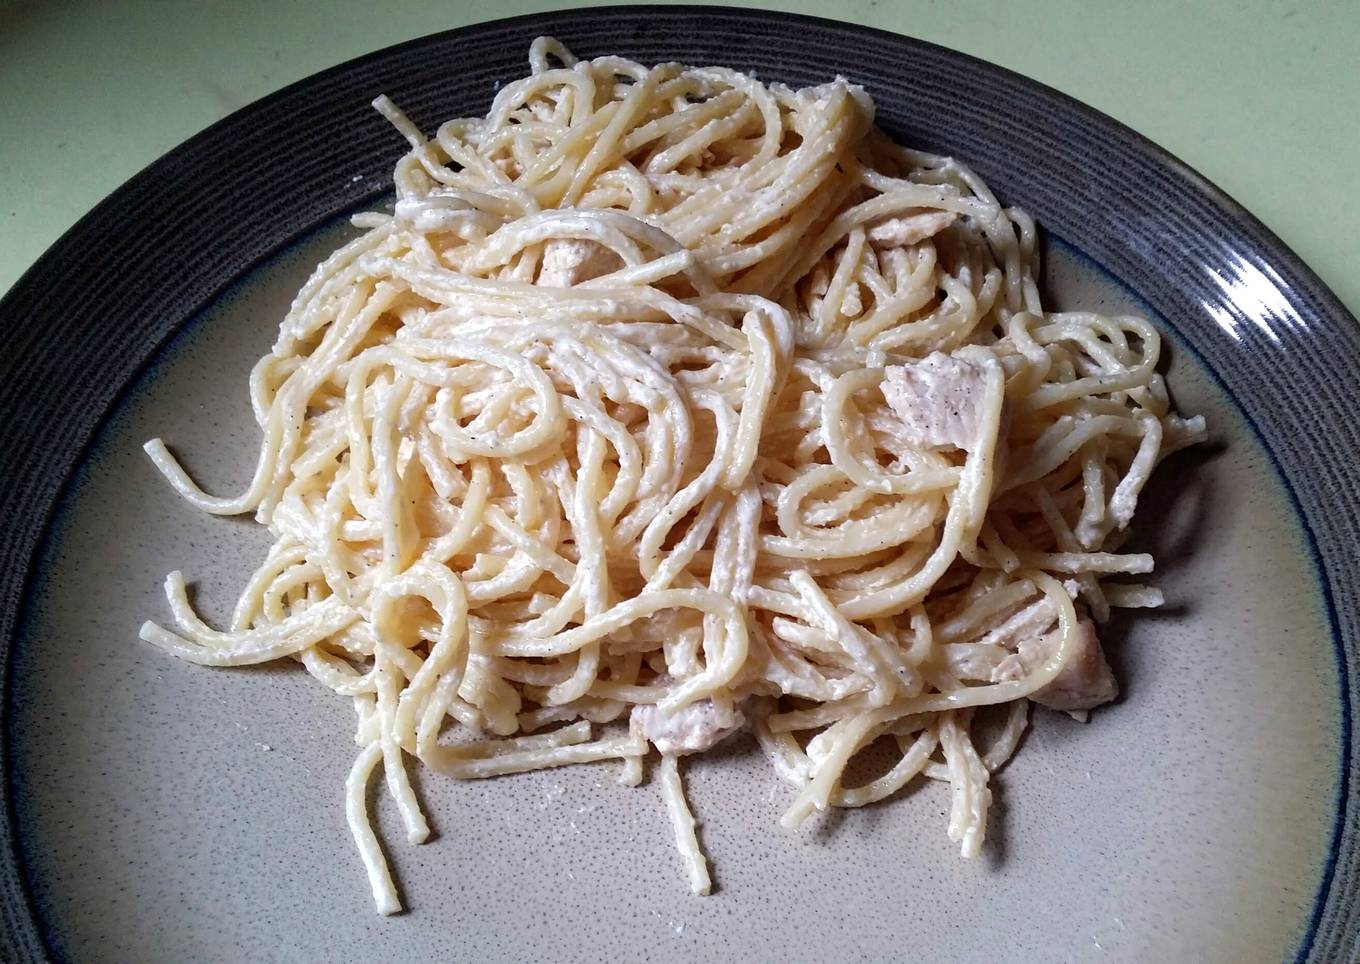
{"points": [[1260, 96]]}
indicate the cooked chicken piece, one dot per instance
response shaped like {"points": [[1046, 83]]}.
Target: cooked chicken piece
{"points": [[900, 230], [938, 400], [690, 729], [567, 262], [1085, 681]]}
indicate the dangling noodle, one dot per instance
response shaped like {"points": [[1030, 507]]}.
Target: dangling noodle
{"points": [[667, 402]]}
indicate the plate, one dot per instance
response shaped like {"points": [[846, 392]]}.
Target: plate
{"points": [[157, 811]]}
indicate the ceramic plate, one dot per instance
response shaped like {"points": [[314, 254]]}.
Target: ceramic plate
{"points": [[157, 811]]}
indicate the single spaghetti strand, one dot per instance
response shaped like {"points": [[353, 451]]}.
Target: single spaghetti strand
{"points": [[682, 822]]}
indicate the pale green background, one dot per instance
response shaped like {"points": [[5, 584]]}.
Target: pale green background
{"points": [[1262, 97]]}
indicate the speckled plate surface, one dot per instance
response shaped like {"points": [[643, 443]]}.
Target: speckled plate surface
{"points": [[155, 811]]}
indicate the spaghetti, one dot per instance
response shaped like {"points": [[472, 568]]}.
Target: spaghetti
{"points": [[667, 403]]}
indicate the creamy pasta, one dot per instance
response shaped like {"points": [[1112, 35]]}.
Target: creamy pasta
{"points": [[665, 403]]}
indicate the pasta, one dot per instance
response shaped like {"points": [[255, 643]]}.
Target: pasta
{"points": [[665, 403]]}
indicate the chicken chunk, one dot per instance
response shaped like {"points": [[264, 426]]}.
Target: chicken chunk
{"points": [[938, 399], [690, 729], [900, 230], [1084, 682], [567, 262]]}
